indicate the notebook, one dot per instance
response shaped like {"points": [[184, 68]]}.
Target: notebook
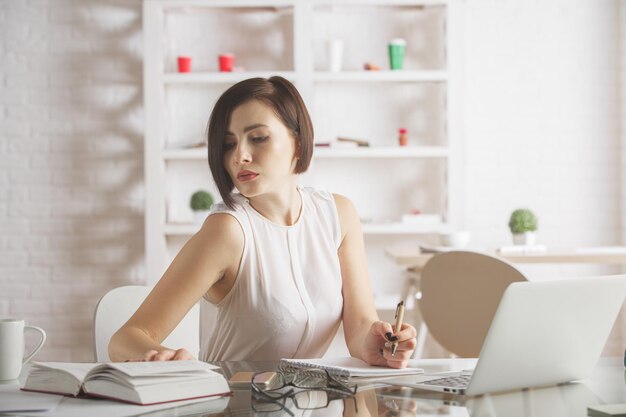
{"points": [[346, 368], [543, 333]]}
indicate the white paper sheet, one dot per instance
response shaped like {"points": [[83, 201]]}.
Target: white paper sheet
{"points": [[81, 407], [13, 400]]}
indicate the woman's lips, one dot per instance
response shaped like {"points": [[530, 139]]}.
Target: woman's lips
{"points": [[245, 176]]}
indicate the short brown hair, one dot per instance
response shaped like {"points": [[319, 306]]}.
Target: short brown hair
{"points": [[283, 98]]}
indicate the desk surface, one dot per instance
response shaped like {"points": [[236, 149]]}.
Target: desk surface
{"points": [[606, 385], [416, 259]]}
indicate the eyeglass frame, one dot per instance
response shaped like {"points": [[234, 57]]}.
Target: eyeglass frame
{"points": [[282, 400], [343, 388]]}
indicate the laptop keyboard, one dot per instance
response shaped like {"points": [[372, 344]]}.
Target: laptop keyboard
{"points": [[459, 381]]}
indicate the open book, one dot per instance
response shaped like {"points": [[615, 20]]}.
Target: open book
{"points": [[346, 368], [132, 382]]}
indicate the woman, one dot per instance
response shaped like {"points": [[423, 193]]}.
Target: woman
{"points": [[284, 264]]}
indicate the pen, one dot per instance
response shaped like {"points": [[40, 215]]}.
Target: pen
{"points": [[399, 317]]}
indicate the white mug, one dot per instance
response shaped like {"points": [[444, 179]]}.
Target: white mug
{"points": [[335, 54], [12, 347]]}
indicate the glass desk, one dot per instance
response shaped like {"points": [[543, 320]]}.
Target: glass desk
{"points": [[605, 386]]}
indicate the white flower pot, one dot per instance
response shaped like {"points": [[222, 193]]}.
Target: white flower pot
{"points": [[200, 216], [526, 238]]}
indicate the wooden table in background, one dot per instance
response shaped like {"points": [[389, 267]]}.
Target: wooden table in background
{"points": [[415, 260]]}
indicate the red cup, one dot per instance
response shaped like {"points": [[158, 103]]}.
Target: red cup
{"points": [[227, 62], [184, 64]]}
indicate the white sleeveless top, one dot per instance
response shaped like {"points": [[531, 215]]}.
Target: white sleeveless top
{"points": [[287, 299]]}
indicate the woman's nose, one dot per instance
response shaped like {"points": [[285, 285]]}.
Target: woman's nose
{"points": [[243, 154]]}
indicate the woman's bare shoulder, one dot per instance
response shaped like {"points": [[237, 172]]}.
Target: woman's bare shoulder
{"points": [[348, 216], [224, 230], [345, 207]]}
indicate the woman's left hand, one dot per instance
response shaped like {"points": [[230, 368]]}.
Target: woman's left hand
{"points": [[378, 345]]}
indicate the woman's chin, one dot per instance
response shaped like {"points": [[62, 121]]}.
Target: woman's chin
{"points": [[247, 190]]}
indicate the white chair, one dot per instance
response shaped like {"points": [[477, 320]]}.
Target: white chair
{"points": [[460, 292], [119, 304]]}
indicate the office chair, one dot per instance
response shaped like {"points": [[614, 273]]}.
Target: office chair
{"points": [[119, 304], [460, 294]]}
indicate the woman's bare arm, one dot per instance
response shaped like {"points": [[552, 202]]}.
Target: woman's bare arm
{"points": [[210, 255], [365, 334]]}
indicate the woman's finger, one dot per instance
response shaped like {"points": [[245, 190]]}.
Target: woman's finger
{"points": [[406, 332], [409, 344], [397, 361], [164, 355], [398, 364], [401, 355], [182, 355], [149, 355], [382, 329]]}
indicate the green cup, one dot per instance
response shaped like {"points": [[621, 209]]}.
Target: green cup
{"points": [[396, 53]]}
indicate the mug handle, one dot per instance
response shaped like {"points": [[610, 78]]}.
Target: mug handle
{"points": [[39, 346]]}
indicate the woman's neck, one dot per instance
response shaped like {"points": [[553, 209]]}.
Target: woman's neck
{"points": [[282, 208]]}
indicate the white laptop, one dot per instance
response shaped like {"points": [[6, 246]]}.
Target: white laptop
{"points": [[543, 333]]}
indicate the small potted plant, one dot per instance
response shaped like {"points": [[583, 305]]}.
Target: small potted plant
{"points": [[201, 202], [523, 224]]}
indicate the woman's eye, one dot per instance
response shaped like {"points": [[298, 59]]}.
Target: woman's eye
{"points": [[229, 145], [259, 139]]}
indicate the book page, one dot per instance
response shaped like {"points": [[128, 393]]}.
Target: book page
{"points": [[77, 370], [170, 368]]}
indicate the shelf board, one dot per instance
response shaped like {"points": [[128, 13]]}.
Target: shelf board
{"points": [[381, 76], [188, 229], [323, 152], [382, 152], [189, 5], [389, 3], [221, 77], [320, 76], [175, 5], [195, 153], [398, 228]]}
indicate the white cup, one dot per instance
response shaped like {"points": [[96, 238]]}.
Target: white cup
{"points": [[458, 239], [335, 54], [12, 347]]}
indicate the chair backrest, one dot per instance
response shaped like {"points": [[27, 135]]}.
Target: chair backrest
{"points": [[119, 304], [460, 294]]}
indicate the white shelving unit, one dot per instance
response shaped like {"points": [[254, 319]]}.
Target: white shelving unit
{"points": [[323, 152], [287, 38]]}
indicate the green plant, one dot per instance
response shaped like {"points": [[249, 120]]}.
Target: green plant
{"points": [[522, 220], [201, 200]]}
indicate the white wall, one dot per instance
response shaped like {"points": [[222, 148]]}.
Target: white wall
{"points": [[543, 119], [543, 130], [622, 66], [71, 167], [543, 126]]}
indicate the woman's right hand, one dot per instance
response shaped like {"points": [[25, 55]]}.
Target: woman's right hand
{"points": [[166, 355]]}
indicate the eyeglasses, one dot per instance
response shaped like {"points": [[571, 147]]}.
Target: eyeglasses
{"points": [[310, 399], [311, 379]]}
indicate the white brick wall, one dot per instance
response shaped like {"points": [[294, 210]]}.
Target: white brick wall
{"points": [[542, 119], [619, 336], [543, 126], [543, 130], [622, 66], [71, 198]]}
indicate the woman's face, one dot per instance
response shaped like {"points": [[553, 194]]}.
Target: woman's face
{"points": [[259, 150]]}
